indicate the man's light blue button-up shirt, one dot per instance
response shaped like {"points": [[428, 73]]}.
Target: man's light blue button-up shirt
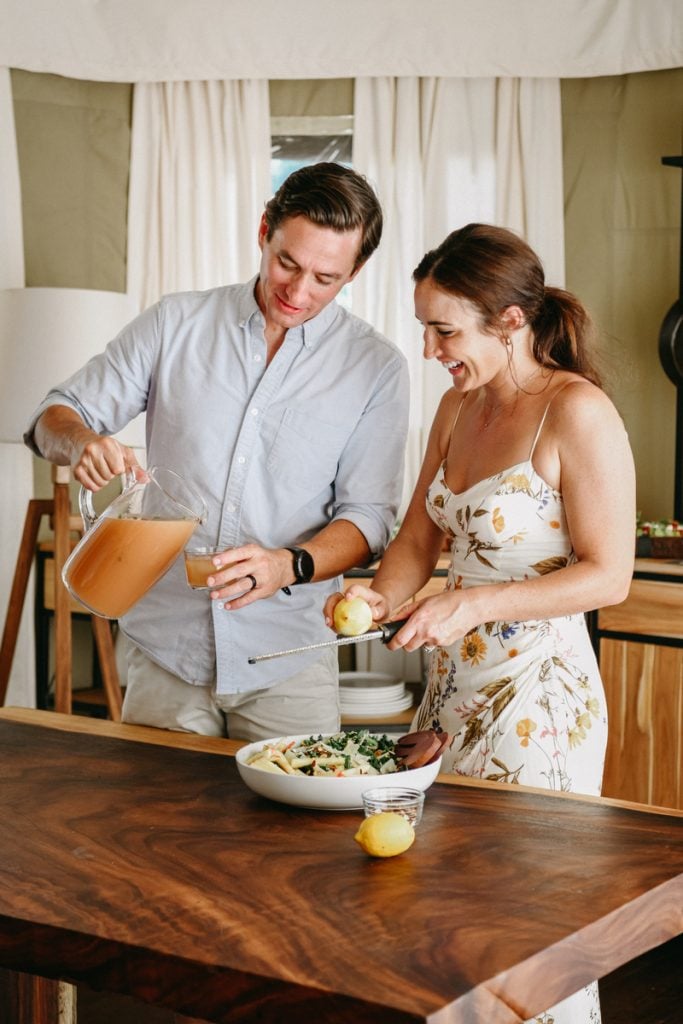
{"points": [[276, 451]]}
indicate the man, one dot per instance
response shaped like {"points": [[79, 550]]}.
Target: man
{"points": [[289, 416]]}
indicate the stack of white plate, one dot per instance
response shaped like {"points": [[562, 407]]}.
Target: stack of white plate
{"points": [[372, 695]]}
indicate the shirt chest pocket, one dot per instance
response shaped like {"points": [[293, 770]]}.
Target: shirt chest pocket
{"points": [[306, 449]]}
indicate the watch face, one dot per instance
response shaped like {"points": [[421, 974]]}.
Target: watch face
{"points": [[303, 565]]}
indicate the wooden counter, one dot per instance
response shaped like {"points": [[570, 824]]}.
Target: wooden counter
{"points": [[147, 867]]}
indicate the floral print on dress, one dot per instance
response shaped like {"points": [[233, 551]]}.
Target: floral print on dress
{"points": [[523, 702]]}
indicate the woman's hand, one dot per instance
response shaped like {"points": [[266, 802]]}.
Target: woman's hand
{"points": [[437, 621], [378, 603]]}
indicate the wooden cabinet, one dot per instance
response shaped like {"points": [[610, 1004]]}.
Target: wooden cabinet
{"points": [[640, 648]]}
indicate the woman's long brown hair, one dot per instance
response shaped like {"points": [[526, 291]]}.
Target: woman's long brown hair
{"points": [[494, 268]]}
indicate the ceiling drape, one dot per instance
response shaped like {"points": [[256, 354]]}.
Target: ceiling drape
{"points": [[184, 40]]}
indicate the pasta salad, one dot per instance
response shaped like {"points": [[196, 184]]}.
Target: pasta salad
{"points": [[357, 752]]}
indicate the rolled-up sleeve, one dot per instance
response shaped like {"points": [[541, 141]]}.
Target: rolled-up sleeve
{"points": [[369, 481], [113, 387]]}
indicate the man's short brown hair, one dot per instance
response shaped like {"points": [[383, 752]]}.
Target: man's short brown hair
{"points": [[331, 196]]}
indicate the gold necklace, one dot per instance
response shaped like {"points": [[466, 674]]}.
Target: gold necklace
{"points": [[492, 414]]}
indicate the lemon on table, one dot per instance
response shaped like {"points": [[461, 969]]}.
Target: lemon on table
{"points": [[352, 616], [385, 834]]}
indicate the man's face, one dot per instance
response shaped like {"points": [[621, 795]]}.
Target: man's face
{"points": [[303, 267]]}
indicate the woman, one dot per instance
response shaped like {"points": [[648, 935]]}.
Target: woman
{"points": [[529, 474]]}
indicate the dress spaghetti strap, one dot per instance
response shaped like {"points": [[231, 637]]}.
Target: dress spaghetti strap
{"points": [[581, 380], [457, 417]]}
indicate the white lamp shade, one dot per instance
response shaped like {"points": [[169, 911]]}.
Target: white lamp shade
{"points": [[46, 334]]}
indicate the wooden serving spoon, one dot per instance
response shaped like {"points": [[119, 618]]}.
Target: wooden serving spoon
{"points": [[417, 749]]}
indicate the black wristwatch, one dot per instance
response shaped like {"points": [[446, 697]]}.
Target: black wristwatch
{"points": [[303, 565]]}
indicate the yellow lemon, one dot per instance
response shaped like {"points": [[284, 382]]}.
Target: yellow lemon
{"points": [[352, 616], [385, 834]]}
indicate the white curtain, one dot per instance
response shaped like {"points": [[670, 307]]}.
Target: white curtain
{"points": [[199, 178], [529, 186], [386, 148], [443, 152], [16, 463]]}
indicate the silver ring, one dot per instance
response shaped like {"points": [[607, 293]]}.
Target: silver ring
{"points": [[253, 581], [427, 649]]}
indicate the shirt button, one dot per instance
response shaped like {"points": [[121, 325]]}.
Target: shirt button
{"points": [[257, 358], [232, 508], [254, 412], [241, 459]]}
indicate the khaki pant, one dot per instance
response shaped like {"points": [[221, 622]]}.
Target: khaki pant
{"points": [[307, 702]]}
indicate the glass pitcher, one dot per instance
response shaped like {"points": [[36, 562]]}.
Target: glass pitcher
{"points": [[130, 546]]}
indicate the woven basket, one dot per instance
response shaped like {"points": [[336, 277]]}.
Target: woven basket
{"points": [[659, 547]]}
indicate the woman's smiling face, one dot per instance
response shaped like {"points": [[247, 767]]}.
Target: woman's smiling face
{"points": [[453, 335]]}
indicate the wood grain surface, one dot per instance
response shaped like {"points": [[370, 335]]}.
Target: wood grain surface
{"points": [[150, 870], [644, 692], [652, 607]]}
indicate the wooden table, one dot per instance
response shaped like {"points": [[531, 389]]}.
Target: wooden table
{"points": [[152, 870]]}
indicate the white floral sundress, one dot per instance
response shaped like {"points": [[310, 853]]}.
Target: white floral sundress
{"points": [[523, 702]]}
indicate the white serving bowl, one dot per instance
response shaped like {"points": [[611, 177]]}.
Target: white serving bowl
{"points": [[342, 793]]}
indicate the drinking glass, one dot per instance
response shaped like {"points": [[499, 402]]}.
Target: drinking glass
{"points": [[199, 565]]}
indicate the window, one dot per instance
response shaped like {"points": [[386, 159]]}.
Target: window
{"points": [[297, 141]]}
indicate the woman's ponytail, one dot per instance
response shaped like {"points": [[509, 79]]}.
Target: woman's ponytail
{"points": [[563, 334]]}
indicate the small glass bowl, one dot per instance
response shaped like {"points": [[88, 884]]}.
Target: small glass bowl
{"points": [[408, 802]]}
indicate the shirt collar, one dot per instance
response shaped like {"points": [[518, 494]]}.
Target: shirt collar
{"points": [[310, 332]]}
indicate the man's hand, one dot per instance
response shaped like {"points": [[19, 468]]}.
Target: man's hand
{"points": [[100, 460], [339, 546], [249, 573], [62, 437]]}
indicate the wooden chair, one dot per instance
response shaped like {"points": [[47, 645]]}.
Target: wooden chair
{"points": [[63, 525]]}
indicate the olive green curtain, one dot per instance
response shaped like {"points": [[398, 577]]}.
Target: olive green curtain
{"points": [[73, 141], [622, 237]]}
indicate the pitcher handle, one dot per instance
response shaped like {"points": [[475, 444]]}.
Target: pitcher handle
{"points": [[85, 503]]}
